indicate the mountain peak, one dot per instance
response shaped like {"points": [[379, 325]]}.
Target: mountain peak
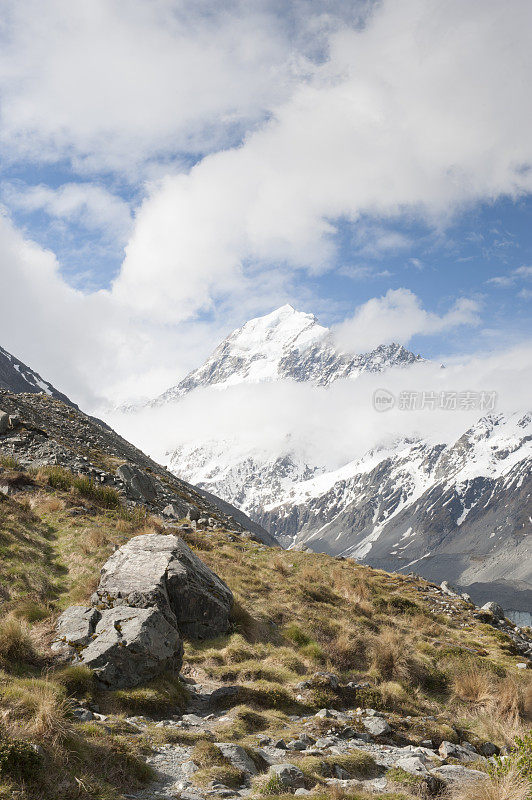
{"points": [[284, 344]]}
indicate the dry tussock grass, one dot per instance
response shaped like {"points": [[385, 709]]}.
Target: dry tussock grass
{"points": [[507, 697], [391, 655], [40, 708], [281, 566], [474, 686], [16, 643], [46, 504], [497, 708], [95, 539]]}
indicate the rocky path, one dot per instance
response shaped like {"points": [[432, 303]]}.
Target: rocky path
{"points": [[175, 769]]}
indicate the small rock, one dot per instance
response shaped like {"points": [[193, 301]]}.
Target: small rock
{"points": [[280, 744], [296, 745], [4, 422], [447, 589], [458, 751], [192, 719], [82, 714], [324, 713], [376, 726], [455, 774], [288, 775], [325, 742], [413, 765], [238, 757], [175, 510], [488, 749]]}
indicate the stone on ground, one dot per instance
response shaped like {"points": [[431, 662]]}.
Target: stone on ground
{"points": [[131, 646], [161, 570], [288, 775], [376, 726], [454, 774]]}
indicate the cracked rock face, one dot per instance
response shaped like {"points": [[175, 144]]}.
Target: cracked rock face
{"points": [[161, 570], [123, 646], [152, 591]]}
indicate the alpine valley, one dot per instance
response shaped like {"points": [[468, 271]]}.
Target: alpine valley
{"points": [[453, 510]]}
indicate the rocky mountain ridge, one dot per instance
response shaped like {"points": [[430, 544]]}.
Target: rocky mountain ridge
{"points": [[459, 511], [39, 430], [15, 376], [286, 344]]}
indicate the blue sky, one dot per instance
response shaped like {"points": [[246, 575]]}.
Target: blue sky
{"points": [[205, 163]]}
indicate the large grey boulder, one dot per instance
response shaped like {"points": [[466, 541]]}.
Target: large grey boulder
{"points": [[161, 570], [123, 646], [74, 630], [495, 609], [4, 422], [138, 485]]}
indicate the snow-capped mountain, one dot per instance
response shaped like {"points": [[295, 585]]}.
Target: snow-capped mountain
{"points": [[458, 510], [284, 344], [15, 376]]}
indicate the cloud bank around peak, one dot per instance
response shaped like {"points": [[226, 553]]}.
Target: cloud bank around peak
{"points": [[339, 423]]}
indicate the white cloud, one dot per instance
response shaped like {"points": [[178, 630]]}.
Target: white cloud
{"points": [[363, 273], [113, 87], [90, 205], [397, 317], [410, 115], [521, 273], [339, 423]]}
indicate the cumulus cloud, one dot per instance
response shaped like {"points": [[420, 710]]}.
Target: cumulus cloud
{"points": [[410, 114], [397, 317], [114, 88], [86, 344], [256, 140], [90, 205]]}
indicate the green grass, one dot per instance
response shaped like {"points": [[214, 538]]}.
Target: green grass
{"points": [[165, 695], [295, 614]]}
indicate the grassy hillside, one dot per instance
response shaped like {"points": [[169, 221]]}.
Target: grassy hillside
{"points": [[436, 670]]}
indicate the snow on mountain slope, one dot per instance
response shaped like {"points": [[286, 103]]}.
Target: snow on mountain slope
{"points": [[284, 344], [17, 377], [457, 510], [461, 511]]}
